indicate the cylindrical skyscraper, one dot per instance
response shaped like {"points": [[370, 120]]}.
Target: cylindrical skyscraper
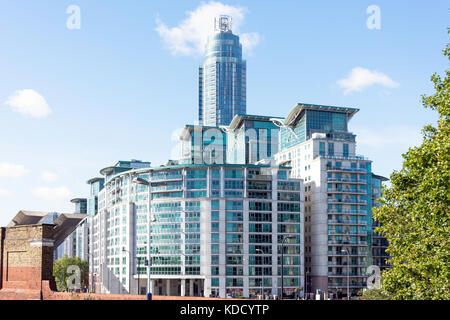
{"points": [[222, 77]]}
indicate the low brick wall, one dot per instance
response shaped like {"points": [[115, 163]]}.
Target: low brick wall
{"points": [[48, 294], [99, 296], [2, 235]]}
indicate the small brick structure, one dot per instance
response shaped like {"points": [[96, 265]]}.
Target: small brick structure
{"points": [[26, 267], [27, 261]]}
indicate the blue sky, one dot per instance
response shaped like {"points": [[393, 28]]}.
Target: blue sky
{"points": [[121, 85]]}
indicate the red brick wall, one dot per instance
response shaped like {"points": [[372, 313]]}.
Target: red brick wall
{"points": [[2, 234], [48, 294]]}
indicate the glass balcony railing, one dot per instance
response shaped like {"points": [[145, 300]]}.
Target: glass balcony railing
{"points": [[348, 242], [252, 176], [351, 253], [346, 169], [167, 177], [344, 264], [346, 180], [351, 191], [347, 211], [349, 222], [344, 274], [355, 201], [348, 232]]}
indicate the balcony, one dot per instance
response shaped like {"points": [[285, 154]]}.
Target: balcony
{"points": [[347, 169], [350, 201], [167, 189], [344, 264], [347, 232], [264, 177], [353, 253], [342, 157], [344, 286], [346, 180], [344, 275], [176, 177], [347, 211], [349, 191], [347, 222], [348, 243]]}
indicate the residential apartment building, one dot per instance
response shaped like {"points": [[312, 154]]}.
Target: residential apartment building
{"points": [[379, 243], [216, 230], [316, 143]]}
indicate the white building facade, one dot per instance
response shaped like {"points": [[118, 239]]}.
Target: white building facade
{"points": [[216, 230], [316, 143]]}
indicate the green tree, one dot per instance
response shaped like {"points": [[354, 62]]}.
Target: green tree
{"points": [[416, 208], [62, 272], [373, 294]]}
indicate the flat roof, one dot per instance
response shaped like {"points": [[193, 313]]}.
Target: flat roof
{"points": [[295, 112], [77, 200], [379, 177], [94, 180], [237, 120], [108, 170]]}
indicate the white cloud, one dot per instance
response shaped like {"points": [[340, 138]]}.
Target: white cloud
{"points": [[58, 194], [190, 36], [4, 192], [10, 170], [49, 176], [360, 79], [401, 137], [29, 103]]}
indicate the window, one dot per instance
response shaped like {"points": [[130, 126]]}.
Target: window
{"points": [[215, 205], [214, 282], [215, 227], [234, 205], [282, 175], [345, 150], [331, 149], [260, 206], [234, 216], [322, 148], [215, 216], [233, 173]]}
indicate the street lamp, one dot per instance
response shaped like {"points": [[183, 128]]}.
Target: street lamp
{"points": [[282, 263], [144, 182], [262, 276], [306, 285], [348, 272]]}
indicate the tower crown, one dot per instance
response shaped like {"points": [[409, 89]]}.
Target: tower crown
{"points": [[222, 23]]}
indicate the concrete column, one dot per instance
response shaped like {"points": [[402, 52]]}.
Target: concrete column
{"points": [[191, 287], [183, 287], [168, 287], [152, 286]]}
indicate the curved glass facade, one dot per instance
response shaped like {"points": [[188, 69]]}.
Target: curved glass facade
{"points": [[222, 80], [215, 230]]}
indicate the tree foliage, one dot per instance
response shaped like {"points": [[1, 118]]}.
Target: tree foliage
{"points": [[416, 208], [373, 294], [62, 272]]}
